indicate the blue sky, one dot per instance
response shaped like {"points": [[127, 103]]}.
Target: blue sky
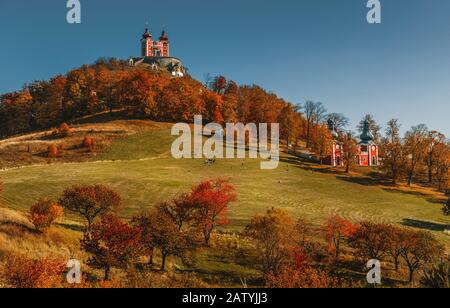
{"points": [[321, 50]]}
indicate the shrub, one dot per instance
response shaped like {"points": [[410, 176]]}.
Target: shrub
{"points": [[89, 143], [306, 277], [44, 213], [52, 151], [90, 201], [446, 208], [23, 272], [64, 130], [437, 277]]}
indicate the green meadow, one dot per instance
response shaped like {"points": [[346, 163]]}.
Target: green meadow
{"points": [[141, 168]]}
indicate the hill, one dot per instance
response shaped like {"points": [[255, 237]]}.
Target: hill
{"points": [[140, 167]]}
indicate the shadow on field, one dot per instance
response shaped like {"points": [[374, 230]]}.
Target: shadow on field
{"points": [[428, 197], [425, 225], [15, 229], [77, 228]]}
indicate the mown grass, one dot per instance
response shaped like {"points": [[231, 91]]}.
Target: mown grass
{"points": [[141, 169]]}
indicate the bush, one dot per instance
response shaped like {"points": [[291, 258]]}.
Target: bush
{"points": [[307, 277], [52, 151], [23, 272], [65, 130], [89, 143], [44, 213], [446, 208], [437, 277]]}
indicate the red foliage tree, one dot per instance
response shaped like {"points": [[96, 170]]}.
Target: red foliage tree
{"points": [[212, 198], [90, 201], [112, 243], [336, 230]]}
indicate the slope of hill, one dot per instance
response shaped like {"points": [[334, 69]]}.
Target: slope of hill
{"points": [[141, 168]]}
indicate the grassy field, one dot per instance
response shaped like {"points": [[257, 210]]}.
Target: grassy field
{"points": [[141, 169]]}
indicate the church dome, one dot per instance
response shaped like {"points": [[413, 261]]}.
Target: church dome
{"points": [[366, 136], [146, 34], [164, 36]]}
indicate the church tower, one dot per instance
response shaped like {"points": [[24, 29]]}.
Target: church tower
{"points": [[368, 150], [147, 44], [165, 46]]}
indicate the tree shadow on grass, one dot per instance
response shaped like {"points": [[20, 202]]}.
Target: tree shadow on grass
{"points": [[425, 225], [15, 229], [427, 197], [77, 228]]}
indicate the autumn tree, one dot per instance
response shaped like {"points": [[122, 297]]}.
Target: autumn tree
{"points": [[374, 128], [437, 277], [433, 141], [219, 85], [336, 230], [415, 150], [44, 213], [273, 233], [212, 199], [441, 164], [322, 142], [371, 240], [303, 230], [182, 210], [396, 242], [289, 123], [162, 233], [340, 121], [392, 151], [112, 243], [350, 149], [419, 249], [314, 115], [90, 201], [230, 102]]}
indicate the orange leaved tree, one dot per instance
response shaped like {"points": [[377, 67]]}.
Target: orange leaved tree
{"points": [[44, 213], [211, 199], [90, 201], [112, 243], [336, 230]]}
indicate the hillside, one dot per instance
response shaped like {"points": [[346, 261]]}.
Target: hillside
{"points": [[140, 167]]}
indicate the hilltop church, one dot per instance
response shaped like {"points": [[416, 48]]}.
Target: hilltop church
{"points": [[368, 149], [155, 54]]}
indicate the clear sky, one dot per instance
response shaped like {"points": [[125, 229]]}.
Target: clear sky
{"points": [[321, 50]]}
